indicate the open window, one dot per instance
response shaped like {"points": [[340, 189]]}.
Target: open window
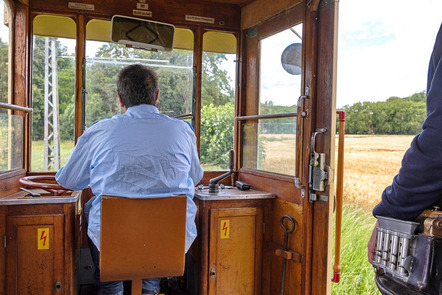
{"points": [[269, 130], [11, 123], [53, 88], [217, 99]]}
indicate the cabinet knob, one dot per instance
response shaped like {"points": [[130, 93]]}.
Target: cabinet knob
{"points": [[212, 273]]}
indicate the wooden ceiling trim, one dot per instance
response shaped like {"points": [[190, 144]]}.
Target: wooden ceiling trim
{"points": [[261, 10], [221, 16]]}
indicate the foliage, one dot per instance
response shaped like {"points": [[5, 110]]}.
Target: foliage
{"points": [[65, 85], [216, 133], [394, 116], [215, 89], [4, 59]]}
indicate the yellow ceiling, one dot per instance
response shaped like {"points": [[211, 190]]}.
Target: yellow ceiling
{"points": [[99, 30]]}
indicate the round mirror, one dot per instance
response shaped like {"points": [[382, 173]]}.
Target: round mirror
{"points": [[291, 59]]}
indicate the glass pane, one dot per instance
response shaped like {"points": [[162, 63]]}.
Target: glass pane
{"points": [[270, 145], [53, 88], [218, 107], [5, 22], [280, 54], [105, 60], [11, 142]]}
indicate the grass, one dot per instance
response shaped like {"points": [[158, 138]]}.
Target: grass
{"points": [[370, 163], [357, 275], [37, 156]]}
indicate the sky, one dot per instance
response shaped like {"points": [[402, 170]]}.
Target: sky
{"points": [[384, 53]]}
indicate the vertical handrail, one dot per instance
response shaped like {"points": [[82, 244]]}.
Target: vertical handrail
{"points": [[339, 197]]}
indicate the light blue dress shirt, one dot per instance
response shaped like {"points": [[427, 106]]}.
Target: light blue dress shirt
{"points": [[139, 154]]}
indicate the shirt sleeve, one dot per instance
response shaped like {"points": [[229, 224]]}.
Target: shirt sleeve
{"points": [[418, 184], [75, 174]]}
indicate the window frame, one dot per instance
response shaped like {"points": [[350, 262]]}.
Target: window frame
{"points": [[250, 101]]}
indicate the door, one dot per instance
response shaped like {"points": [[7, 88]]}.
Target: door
{"points": [[34, 255], [234, 251], [287, 113]]}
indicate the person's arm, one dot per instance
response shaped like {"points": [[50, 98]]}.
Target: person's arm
{"points": [[75, 174]]}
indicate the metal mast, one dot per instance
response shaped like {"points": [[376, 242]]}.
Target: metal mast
{"points": [[51, 126]]}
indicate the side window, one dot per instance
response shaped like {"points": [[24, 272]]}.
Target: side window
{"points": [[53, 86], [217, 99], [11, 126], [269, 138]]}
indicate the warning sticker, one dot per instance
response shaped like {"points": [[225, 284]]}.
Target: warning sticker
{"points": [[43, 238], [225, 229]]}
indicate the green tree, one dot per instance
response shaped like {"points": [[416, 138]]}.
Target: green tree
{"points": [[394, 116], [4, 60], [216, 87], [65, 85], [216, 133]]}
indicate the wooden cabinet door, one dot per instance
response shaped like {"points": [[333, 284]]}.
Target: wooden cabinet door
{"points": [[235, 251], [34, 254]]}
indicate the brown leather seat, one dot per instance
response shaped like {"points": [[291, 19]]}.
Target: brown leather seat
{"points": [[142, 238]]}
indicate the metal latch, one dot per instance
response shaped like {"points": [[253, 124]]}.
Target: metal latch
{"points": [[318, 174]]}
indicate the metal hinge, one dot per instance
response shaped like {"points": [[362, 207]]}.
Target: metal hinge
{"points": [[318, 171]]}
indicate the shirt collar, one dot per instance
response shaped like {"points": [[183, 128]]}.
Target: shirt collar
{"points": [[142, 108]]}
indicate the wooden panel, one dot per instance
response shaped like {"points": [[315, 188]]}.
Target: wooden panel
{"points": [[261, 10], [225, 16], [34, 263], [2, 250], [325, 118], [70, 247], [9, 182], [280, 185], [79, 56], [235, 247], [294, 275]]}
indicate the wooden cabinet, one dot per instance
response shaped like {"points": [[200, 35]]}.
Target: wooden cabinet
{"points": [[34, 254], [235, 245], [231, 239], [40, 245]]}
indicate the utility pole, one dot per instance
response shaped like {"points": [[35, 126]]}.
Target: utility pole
{"points": [[51, 125]]}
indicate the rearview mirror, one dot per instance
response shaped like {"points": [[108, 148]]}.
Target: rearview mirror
{"points": [[291, 59], [141, 33]]}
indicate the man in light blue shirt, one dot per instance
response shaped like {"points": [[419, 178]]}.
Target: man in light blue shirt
{"points": [[139, 154]]}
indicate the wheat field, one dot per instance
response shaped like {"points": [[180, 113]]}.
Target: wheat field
{"points": [[370, 163]]}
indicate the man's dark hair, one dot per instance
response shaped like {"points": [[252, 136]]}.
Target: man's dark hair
{"points": [[137, 84]]}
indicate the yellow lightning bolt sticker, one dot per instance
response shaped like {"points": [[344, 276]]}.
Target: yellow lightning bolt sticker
{"points": [[43, 238], [225, 229]]}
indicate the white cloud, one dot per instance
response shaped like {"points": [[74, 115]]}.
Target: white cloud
{"points": [[384, 48]]}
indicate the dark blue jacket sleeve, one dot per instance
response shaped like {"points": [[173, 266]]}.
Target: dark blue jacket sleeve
{"points": [[418, 184]]}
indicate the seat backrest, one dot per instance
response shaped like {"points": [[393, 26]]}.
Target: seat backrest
{"points": [[142, 238]]}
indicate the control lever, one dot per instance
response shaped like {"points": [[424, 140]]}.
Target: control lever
{"points": [[30, 192], [213, 183]]}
